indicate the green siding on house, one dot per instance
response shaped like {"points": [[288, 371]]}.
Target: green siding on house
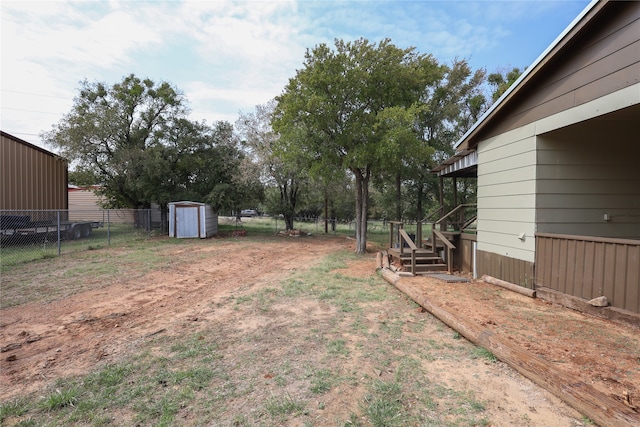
{"points": [[506, 194], [585, 171]]}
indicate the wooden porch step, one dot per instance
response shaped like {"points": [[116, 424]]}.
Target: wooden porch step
{"points": [[428, 245], [407, 252], [426, 268], [422, 258]]}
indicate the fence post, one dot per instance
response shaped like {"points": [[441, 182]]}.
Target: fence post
{"points": [[59, 235], [108, 228]]}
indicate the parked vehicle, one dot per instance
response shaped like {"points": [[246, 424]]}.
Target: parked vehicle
{"points": [[18, 228], [248, 213]]}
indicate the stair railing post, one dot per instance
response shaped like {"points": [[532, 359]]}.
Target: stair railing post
{"points": [[413, 261]]}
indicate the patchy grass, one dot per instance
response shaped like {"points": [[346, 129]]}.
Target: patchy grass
{"points": [[483, 353], [316, 348]]}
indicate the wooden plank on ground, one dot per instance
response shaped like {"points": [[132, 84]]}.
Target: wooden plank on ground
{"points": [[507, 285], [599, 407]]}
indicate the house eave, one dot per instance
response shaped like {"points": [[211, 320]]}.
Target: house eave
{"points": [[467, 140], [463, 164]]}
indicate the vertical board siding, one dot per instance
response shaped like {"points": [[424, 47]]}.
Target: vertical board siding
{"points": [[589, 267], [464, 255], [31, 177], [632, 293], [505, 268]]}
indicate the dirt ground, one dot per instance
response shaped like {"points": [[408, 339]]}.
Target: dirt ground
{"points": [[41, 342], [595, 351]]}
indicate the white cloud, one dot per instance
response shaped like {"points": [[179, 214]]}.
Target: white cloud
{"points": [[224, 55]]}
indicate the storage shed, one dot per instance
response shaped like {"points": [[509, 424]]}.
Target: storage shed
{"points": [[192, 219]]}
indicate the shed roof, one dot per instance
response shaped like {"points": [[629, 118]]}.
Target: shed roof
{"points": [[187, 203]]}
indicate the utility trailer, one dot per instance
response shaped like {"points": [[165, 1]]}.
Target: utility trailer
{"points": [[21, 228]]}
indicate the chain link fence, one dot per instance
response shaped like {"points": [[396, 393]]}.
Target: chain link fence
{"points": [[28, 235]]}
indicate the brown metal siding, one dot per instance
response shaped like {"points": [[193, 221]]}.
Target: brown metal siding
{"points": [[589, 267], [505, 268], [32, 178], [603, 58], [464, 253]]}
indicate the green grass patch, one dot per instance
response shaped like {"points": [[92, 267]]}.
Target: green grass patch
{"points": [[483, 353], [322, 381], [14, 408], [260, 362], [337, 348], [383, 404], [280, 406], [59, 399]]}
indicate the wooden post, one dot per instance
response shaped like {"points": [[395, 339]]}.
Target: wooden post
{"points": [[455, 192], [413, 261], [441, 193], [455, 204]]}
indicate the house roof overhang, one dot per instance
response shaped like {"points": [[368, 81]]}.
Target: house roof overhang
{"points": [[471, 138], [463, 164]]}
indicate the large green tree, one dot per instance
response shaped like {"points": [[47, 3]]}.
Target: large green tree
{"points": [[110, 128], [284, 172], [135, 140], [453, 102], [333, 109], [196, 162]]}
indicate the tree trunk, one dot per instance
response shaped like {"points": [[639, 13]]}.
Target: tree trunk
{"points": [[326, 212], [362, 194], [419, 196], [288, 221], [164, 218], [358, 176], [398, 197], [365, 212], [288, 199]]}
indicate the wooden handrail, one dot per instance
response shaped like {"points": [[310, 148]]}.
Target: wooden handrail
{"points": [[469, 222], [404, 237], [446, 241], [450, 247], [428, 217], [456, 209], [407, 239]]}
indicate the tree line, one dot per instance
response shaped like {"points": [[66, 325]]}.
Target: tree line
{"points": [[354, 134]]}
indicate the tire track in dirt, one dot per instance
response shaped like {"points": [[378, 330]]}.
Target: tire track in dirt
{"points": [[45, 341]]}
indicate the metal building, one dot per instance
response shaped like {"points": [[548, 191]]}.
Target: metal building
{"points": [[31, 177], [192, 219]]}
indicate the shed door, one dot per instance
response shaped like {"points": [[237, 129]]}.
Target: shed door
{"points": [[187, 222]]}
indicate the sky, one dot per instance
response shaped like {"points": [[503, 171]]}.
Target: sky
{"points": [[229, 56]]}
